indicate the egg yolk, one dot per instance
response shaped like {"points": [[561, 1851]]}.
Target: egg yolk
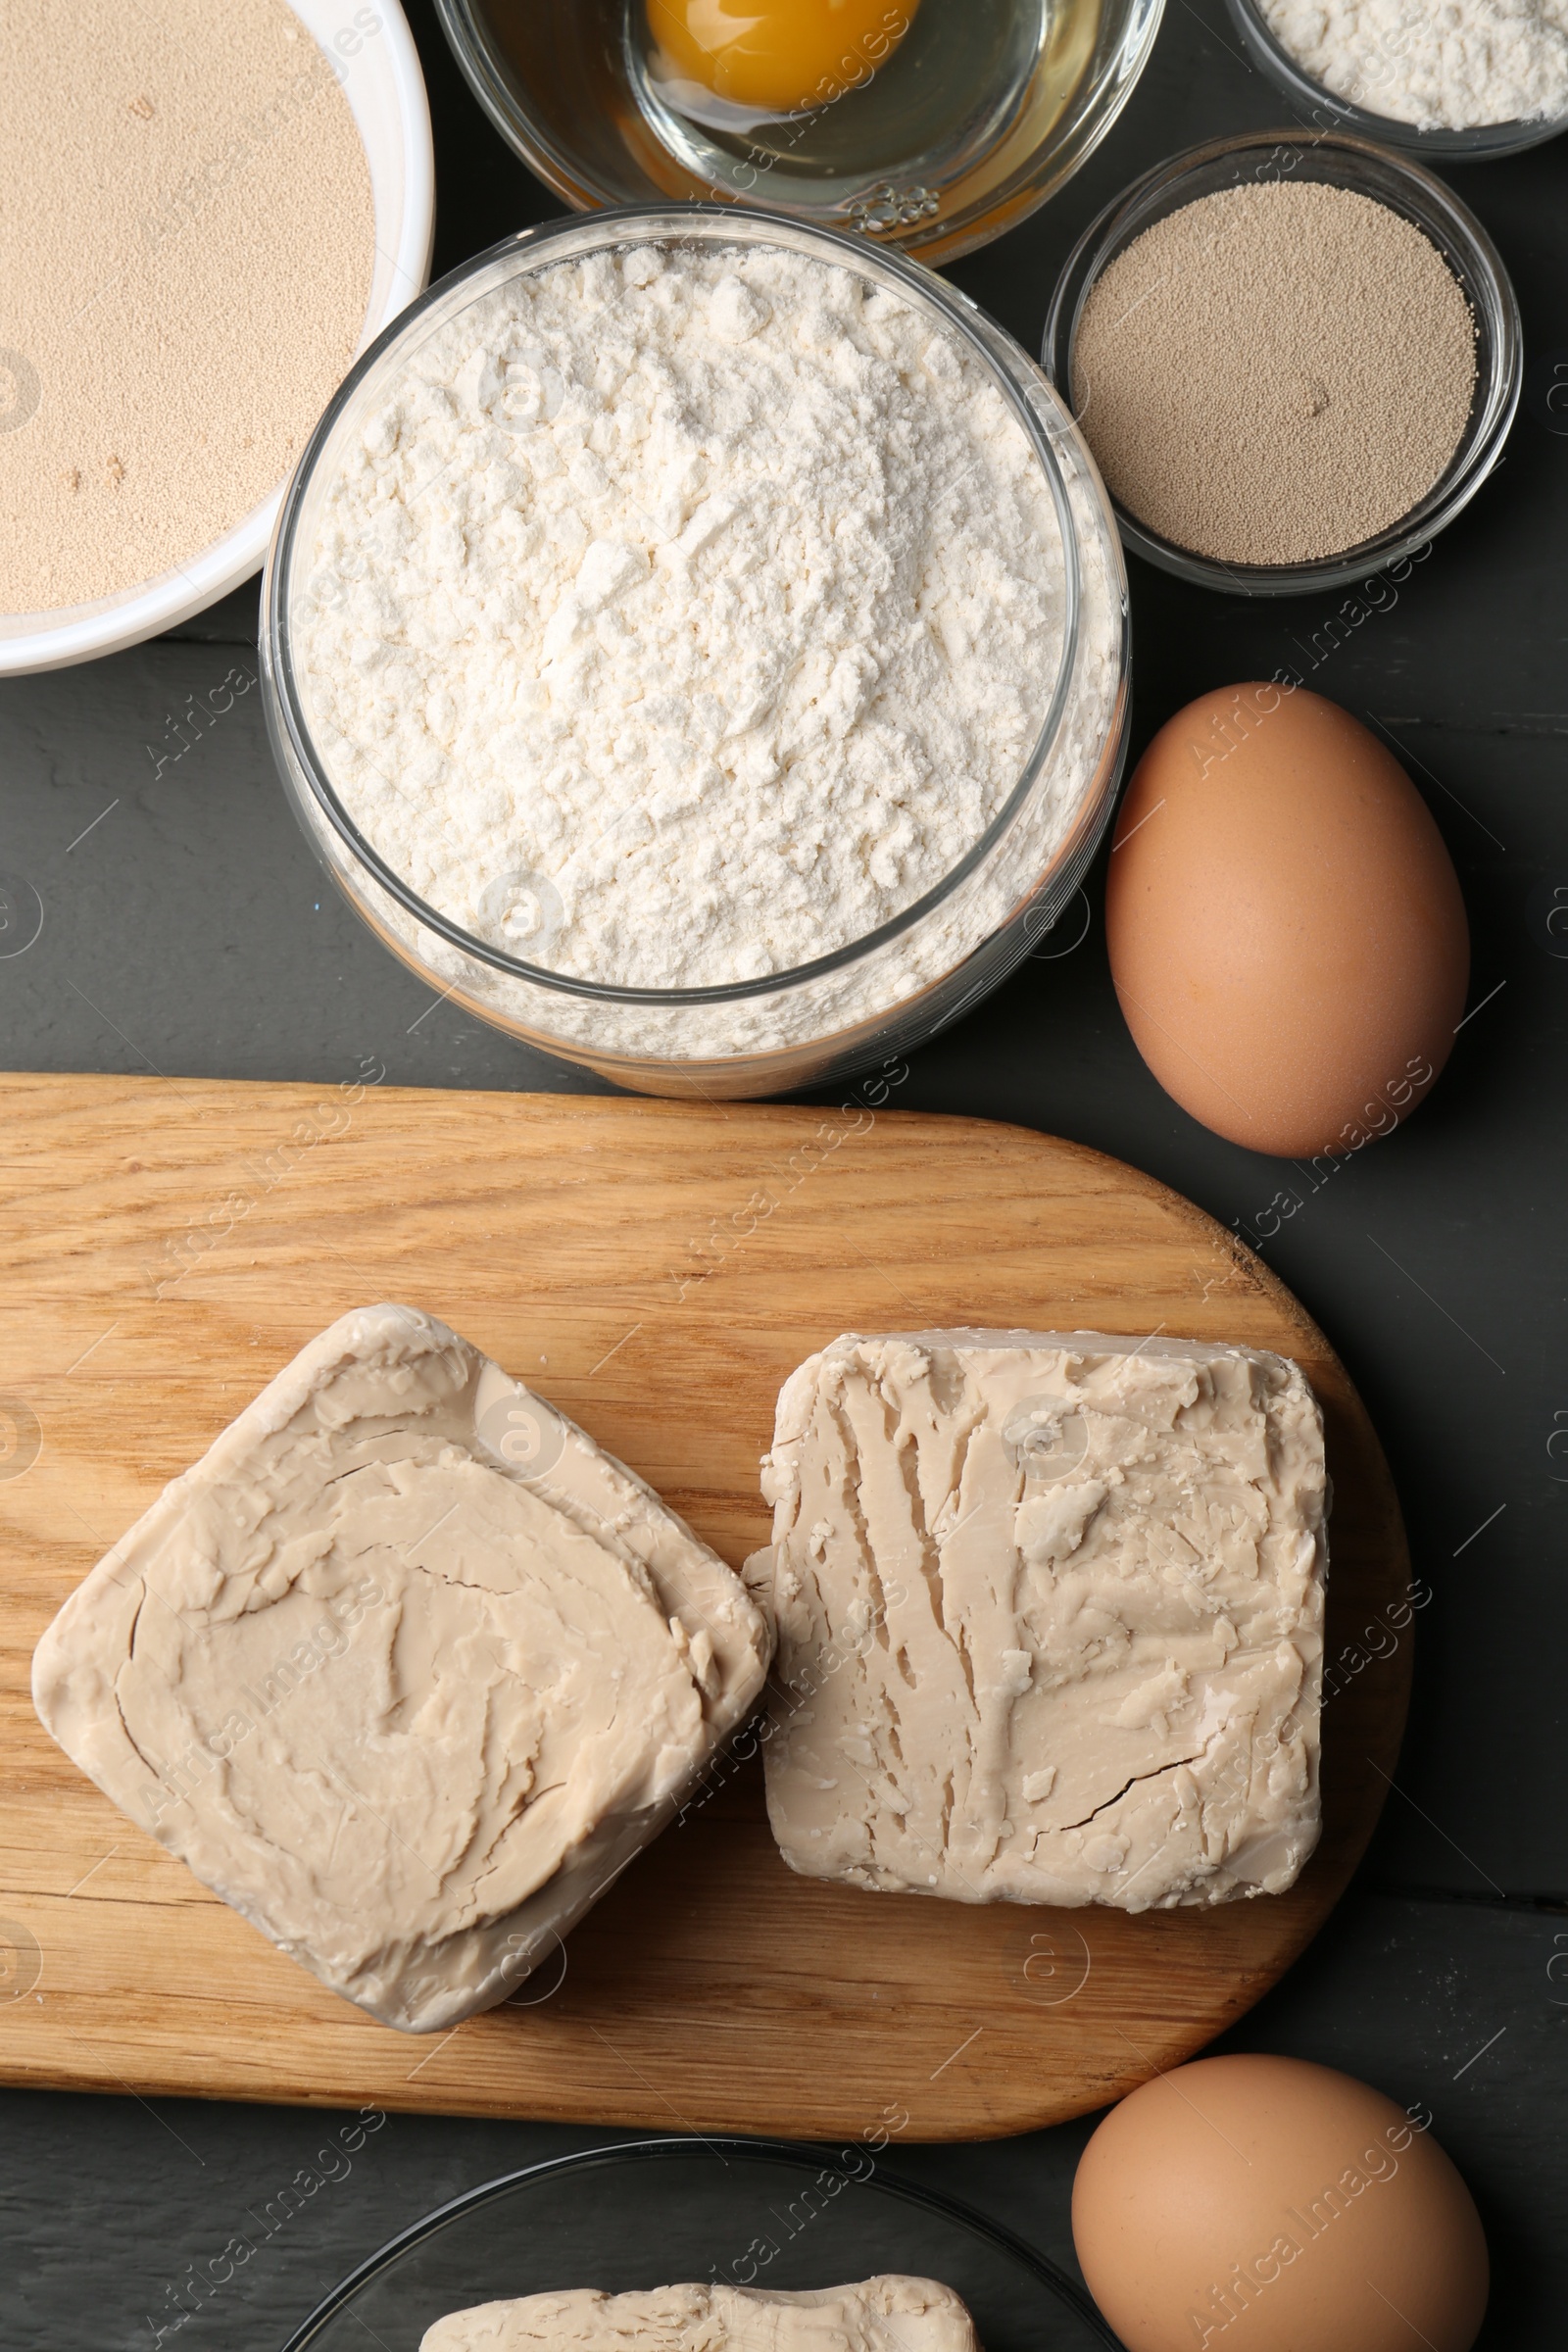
{"points": [[777, 55]]}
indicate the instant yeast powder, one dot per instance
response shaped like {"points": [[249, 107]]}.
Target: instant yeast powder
{"points": [[185, 275], [1275, 373]]}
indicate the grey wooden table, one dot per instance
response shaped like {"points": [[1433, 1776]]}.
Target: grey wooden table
{"points": [[188, 930]]}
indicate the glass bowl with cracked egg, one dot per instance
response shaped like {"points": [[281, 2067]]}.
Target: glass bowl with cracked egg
{"points": [[695, 643], [933, 125]]}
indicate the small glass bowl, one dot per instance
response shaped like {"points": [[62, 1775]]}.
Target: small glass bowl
{"points": [[870, 999], [1329, 112], [558, 84], [1343, 162]]}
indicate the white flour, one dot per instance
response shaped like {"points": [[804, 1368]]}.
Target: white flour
{"points": [[1450, 66], [678, 617]]}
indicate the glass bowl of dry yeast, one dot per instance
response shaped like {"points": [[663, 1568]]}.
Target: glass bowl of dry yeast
{"points": [[1296, 359]]}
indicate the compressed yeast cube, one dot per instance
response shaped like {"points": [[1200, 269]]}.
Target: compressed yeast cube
{"points": [[878, 2315], [1050, 1614], [405, 1668]]}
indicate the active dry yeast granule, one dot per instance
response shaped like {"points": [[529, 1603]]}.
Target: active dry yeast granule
{"points": [[675, 618], [184, 273], [1275, 373]]}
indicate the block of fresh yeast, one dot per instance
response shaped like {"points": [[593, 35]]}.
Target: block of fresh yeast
{"points": [[405, 1668], [1050, 1613]]}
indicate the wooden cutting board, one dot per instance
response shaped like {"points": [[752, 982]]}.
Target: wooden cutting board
{"points": [[658, 1270]]}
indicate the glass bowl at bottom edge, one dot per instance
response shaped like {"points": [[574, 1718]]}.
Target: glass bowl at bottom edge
{"points": [[649, 2213]]}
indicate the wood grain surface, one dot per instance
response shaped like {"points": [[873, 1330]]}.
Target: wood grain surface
{"points": [[657, 1269]]}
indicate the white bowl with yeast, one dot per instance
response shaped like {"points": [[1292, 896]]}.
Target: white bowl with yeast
{"points": [[373, 57]]}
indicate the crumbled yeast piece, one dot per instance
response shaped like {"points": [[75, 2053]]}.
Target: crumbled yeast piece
{"points": [[880, 2315], [1050, 1613], [405, 1668]]}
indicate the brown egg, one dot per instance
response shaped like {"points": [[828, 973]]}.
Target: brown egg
{"points": [[1265, 2205], [1287, 934]]}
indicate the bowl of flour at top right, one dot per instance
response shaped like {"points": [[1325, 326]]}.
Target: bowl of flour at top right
{"points": [[1294, 356], [1477, 79]]}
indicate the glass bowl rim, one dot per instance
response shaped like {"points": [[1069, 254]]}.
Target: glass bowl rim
{"points": [[475, 52], [1496, 394], [1481, 142], [666, 220], [798, 2153]]}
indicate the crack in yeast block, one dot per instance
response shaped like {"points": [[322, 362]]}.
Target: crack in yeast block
{"points": [[1049, 1612]]}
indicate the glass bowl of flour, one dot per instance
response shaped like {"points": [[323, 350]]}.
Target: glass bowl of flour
{"points": [[696, 642], [1456, 85]]}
